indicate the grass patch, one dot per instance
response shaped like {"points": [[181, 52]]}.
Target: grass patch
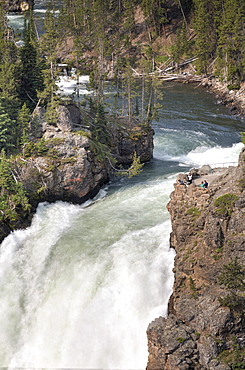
{"points": [[193, 211], [224, 204]]}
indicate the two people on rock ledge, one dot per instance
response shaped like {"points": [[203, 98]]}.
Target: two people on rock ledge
{"points": [[204, 184], [195, 176]]}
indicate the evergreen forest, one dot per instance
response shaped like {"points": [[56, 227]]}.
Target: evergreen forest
{"points": [[116, 36]]}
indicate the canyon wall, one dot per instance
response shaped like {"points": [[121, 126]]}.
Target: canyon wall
{"points": [[205, 326]]}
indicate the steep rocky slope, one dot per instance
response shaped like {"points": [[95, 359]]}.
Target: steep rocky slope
{"points": [[208, 234]]}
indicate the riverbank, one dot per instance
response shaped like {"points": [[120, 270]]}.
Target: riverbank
{"points": [[233, 99]]}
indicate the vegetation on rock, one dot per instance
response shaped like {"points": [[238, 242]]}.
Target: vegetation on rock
{"points": [[224, 204], [232, 277], [13, 199]]}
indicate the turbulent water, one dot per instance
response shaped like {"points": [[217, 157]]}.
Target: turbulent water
{"points": [[80, 286], [16, 21]]}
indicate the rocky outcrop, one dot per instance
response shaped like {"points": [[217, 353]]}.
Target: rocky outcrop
{"points": [[64, 161], [68, 165], [201, 332], [18, 5], [67, 171]]}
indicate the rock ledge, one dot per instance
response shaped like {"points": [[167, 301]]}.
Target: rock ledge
{"points": [[200, 333]]}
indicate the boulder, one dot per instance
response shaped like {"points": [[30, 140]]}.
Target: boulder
{"points": [[204, 170]]}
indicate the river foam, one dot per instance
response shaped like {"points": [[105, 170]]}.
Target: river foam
{"points": [[84, 302], [80, 286]]}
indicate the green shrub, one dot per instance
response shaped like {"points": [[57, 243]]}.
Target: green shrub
{"points": [[193, 211], [31, 149], [217, 253], [55, 141], [241, 184], [225, 203], [243, 137], [234, 357], [84, 133], [234, 86], [70, 160], [181, 340], [193, 287], [232, 277], [41, 147]]}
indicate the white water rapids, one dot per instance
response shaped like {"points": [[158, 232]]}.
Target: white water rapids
{"points": [[80, 286]]}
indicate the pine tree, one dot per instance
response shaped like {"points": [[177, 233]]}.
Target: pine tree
{"points": [[231, 45], [6, 130], [232, 277], [100, 131], [8, 69], [181, 48], [205, 33], [31, 78], [48, 43], [23, 123], [3, 30], [12, 196], [156, 13]]}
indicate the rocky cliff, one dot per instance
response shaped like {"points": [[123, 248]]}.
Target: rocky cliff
{"points": [[205, 326], [64, 162], [71, 165]]}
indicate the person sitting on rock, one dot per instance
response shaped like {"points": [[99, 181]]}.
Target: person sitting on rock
{"points": [[181, 182], [189, 178], [202, 185], [205, 184]]}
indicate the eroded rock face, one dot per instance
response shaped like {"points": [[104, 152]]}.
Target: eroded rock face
{"points": [[199, 333], [71, 170], [71, 174], [62, 162]]}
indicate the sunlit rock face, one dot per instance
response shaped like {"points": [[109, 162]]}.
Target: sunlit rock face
{"points": [[18, 6], [70, 168], [207, 234]]}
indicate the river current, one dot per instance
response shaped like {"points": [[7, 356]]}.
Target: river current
{"points": [[80, 286]]}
